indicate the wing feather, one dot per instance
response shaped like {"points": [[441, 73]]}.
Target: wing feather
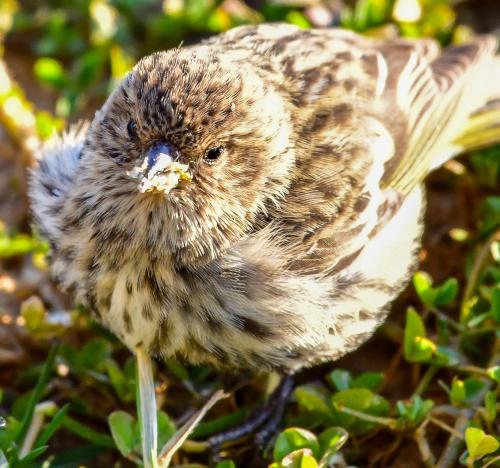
{"points": [[437, 97], [373, 118]]}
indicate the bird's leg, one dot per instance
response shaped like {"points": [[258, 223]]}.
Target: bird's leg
{"points": [[278, 402], [147, 407], [266, 417]]}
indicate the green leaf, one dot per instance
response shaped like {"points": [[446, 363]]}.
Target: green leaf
{"points": [[298, 19], [422, 283], [457, 393], [89, 67], [434, 297], [414, 411], [438, 20], [478, 443], [313, 399], [87, 433], [417, 348], [51, 72], [166, 428], [359, 399], [302, 458], [490, 215], [369, 13], [123, 385], [226, 464], [340, 378], [445, 356], [46, 124], [472, 388], [446, 293], [486, 164], [369, 380], [177, 369], [292, 439], [94, 355], [33, 454], [9, 431], [122, 427], [331, 441], [494, 373]]}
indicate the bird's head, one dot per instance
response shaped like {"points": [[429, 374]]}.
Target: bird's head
{"points": [[196, 144]]}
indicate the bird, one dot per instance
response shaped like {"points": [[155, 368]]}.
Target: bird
{"points": [[255, 202]]}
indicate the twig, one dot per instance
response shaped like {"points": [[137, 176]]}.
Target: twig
{"points": [[446, 427], [194, 446], [389, 422], [493, 460], [445, 409], [472, 370], [426, 379], [183, 433], [423, 446], [453, 323]]}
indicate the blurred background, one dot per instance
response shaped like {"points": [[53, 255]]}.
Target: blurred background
{"points": [[59, 59]]}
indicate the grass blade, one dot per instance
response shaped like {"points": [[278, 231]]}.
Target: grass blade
{"points": [[147, 408], [52, 427], [36, 395], [85, 432]]}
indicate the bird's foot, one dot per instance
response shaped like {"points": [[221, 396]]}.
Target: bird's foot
{"points": [[264, 421]]}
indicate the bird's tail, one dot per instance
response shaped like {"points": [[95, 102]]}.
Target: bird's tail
{"points": [[483, 127]]}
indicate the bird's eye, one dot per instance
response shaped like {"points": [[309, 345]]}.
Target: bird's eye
{"points": [[132, 129], [213, 154]]}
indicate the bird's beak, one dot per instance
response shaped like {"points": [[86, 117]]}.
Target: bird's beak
{"points": [[161, 170], [160, 157]]}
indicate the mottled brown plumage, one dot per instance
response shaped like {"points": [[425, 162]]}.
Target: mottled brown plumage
{"points": [[301, 222]]}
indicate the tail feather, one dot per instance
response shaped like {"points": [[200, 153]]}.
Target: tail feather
{"points": [[483, 127], [463, 79]]}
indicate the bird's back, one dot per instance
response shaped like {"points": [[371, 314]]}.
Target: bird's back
{"points": [[421, 94]]}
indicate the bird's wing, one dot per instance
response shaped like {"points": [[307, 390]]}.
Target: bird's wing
{"points": [[437, 98], [372, 119], [421, 95]]}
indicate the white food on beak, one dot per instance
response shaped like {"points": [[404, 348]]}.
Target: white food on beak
{"points": [[163, 176]]}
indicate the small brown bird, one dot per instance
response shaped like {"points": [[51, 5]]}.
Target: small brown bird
{"points": [[255, 202]]}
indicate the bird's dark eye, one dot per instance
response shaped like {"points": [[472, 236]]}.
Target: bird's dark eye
{"points": [[132, 129], [213, 154]]}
